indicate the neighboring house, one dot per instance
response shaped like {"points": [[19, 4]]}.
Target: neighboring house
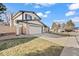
{"points": [[76, 29], [28, 22], [59, 27]]}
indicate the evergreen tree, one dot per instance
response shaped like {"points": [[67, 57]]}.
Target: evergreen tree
{"points": [[2, 9]]}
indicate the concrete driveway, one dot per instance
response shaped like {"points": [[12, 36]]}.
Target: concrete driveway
{"points": [[66, 42], [49, 35]]}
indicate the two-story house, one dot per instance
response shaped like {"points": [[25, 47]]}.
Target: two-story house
{"points": [[28, 22]]}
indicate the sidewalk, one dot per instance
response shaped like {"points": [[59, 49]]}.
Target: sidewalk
{"points": [[70, 51]]}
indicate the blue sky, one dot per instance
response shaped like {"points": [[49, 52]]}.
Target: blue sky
{"points": [[49, 12]]}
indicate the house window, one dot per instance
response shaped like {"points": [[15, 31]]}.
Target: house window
{"points": [[36, 18], [28, 17]]}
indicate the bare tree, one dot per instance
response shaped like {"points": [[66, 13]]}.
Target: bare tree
{"points": [[55, 27], [69, 26]]}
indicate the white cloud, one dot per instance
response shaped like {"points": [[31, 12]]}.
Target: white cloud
{"points": [[74, 6], [45, 15], [75, 19], [42, 14], [45, 4], [47, 12], [39, 5], [70, 13]]}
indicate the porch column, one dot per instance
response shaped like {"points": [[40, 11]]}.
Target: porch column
{"points": [[17, 30], [27, 29]]}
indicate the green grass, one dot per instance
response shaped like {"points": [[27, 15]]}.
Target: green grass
{"points": [[30, 47], [5, 44]]}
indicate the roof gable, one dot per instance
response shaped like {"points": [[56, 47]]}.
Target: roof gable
{"points": [[20, 12]]}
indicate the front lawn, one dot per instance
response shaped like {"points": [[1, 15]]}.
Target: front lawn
{"points": [[5, 44], [29, 47]]}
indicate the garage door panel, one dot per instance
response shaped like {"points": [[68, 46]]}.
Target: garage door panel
{"points": [[35, 29]]}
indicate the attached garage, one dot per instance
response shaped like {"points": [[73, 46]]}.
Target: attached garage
{"points": [[35, 29]]}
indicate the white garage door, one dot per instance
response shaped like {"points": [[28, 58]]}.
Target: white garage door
{"points": [[35, 29]]}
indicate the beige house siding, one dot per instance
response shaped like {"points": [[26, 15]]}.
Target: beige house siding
{"points": [[19, 18], [24, 27], [17, 15]]}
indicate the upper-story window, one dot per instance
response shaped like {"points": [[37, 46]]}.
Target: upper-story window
{"points": [[28, 17]]}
